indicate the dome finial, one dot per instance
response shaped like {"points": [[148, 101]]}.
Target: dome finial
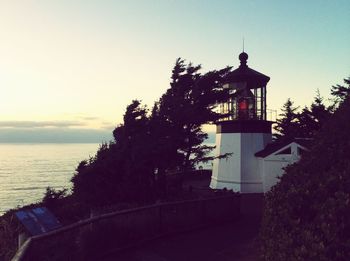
{"points": [[243, 57]]}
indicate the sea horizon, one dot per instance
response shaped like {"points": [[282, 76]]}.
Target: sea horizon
{"points": [[27, 169]]}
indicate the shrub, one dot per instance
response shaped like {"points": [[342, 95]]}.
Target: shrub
{"points": [[307, 214], [52, 197]]}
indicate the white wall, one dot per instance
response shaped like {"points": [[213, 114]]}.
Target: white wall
{"points": [[251, 179], [240, 171], [226, 172], [272, 166]]}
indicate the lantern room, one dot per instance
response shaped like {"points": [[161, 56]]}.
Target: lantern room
{"points": [[247, 93]]}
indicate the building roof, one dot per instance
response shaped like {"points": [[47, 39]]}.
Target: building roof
{"points": [[275, 146], [245, 74]]}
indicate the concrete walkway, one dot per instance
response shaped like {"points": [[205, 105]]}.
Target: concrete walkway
{"points": [[230, 241]]}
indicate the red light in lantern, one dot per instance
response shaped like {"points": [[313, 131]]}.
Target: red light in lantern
{"points": [[243, 105]]}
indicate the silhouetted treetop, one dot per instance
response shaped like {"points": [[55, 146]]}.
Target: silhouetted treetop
{"points": [[186, 106], [305, 124], [287, 126], [341, 92]]}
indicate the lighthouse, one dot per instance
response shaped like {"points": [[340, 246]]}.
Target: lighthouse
{"points": [[243, 132]]}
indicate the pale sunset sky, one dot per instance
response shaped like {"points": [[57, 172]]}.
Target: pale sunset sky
{"points": [[73, 65]]}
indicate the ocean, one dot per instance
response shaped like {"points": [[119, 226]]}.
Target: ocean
{"points": [[26, 170]]}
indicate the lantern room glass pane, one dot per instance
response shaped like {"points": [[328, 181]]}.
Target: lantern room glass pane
{"points": [[244, 103]]}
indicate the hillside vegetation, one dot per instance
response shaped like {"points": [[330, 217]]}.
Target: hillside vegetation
{"points": [[307, 214]]}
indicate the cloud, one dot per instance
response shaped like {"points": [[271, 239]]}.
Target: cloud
{"points": [[107, 125], [90, 118], [40, 124], [54, 135]]}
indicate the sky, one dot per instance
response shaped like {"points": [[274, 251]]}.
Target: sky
{"points": [[74, 66]]}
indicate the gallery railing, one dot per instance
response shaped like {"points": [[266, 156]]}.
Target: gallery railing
{"points": [[99, 236], [249, 114]]}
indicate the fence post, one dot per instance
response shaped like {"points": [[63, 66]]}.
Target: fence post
{"points": [[22, 237]]}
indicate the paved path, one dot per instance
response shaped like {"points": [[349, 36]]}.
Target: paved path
{"points": [[230, 241]]}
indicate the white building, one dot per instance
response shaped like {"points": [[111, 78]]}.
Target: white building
{"points": [[254, 163], [275, 157]]}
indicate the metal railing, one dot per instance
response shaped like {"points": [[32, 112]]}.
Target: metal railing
{"points": [[249, 114], [94, 237]]}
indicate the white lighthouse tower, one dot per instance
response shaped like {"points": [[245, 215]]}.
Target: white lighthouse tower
{"points": [[243, 132]]}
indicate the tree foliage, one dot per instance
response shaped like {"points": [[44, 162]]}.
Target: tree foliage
{"points": [[120, 170], [147, 146], [307, 215], [184, 108], [287, 124], [305, 124], [52, 197], [341, 92]]}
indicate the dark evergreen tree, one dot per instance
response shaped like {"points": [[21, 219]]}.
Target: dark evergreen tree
{"points": [[145, 148], [287, 125], [133, 140], [341, 92], [305, 124], [311, 120], [320, 113], [183, 109], [122, 169]]}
